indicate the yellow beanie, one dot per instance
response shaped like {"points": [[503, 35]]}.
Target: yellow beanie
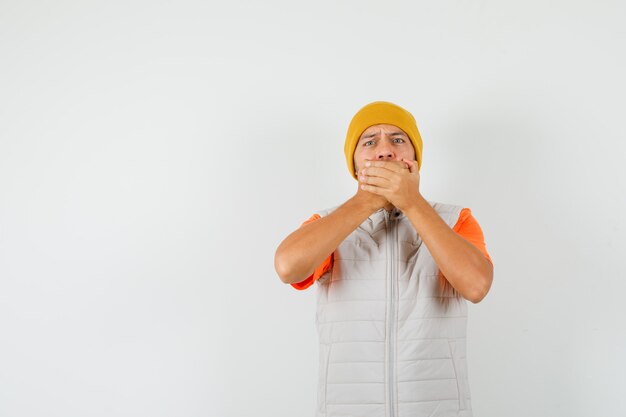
{"points": [[380, 112]]}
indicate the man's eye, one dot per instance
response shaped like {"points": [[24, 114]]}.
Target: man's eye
{"points": [[400, 140], [368, 143]]}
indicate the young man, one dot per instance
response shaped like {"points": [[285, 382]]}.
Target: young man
{"points": [[393, 273]]}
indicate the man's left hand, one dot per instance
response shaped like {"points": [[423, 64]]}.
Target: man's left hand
{"points": [[398, 183]]}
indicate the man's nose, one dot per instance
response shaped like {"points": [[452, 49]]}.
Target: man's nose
{"points": [[384, 153]]}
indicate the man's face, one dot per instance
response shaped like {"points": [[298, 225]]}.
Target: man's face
{"points": [[382, 142]]}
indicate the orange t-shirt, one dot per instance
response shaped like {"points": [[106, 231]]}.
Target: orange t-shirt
{"points": [[466, 226]]}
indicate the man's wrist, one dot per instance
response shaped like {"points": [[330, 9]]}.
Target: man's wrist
{"points": [[363, 205], [417, 205]]}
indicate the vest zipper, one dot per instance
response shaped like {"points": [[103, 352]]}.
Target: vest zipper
{"points": [[391, 311]]}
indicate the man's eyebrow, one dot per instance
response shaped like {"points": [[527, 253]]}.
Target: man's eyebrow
{"points": [[371, 135]]}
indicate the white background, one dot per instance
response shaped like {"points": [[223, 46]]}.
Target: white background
{"points": [[154, 154]]}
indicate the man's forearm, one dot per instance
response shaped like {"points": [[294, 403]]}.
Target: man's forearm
{"points": [[303, 250], [462, 264]]}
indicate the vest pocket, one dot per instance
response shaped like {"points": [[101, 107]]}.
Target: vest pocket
{"points": [[460, 373]]}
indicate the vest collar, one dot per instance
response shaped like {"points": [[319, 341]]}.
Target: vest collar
{"points": [[379, 215]]}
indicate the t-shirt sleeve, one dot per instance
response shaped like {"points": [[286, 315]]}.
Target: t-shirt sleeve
{"points": [[468, 227], [324, 267]]}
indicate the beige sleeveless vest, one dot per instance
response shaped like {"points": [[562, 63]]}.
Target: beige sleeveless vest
{"points": [[391, 329]]}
